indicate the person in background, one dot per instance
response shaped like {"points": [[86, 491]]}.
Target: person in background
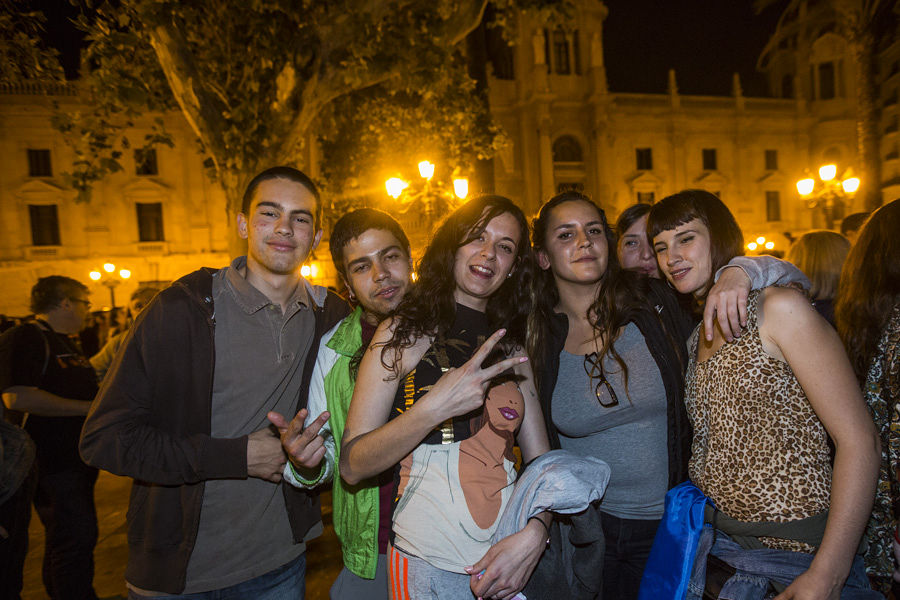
{"points": [[851, 224], [47, 375], [371, 254], [633, 248], [868, 321], [17, 482], [820, 255], [90, 336], [104, 358], [762, 410]]}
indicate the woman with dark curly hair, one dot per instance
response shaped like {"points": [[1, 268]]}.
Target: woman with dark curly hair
{"points": [[445, 406], [868, 321]]}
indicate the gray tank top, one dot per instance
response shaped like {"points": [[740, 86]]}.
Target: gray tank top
{"points": [[631, 437]]}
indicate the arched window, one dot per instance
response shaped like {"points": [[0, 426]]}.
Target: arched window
{"points": [[567, 149]]}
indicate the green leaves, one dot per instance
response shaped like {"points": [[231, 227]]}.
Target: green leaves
{"points": [[376, 81]]}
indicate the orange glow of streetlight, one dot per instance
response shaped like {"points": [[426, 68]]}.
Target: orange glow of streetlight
{"points": [[94, 275], [850, 185], [109, 267], [395, 187], [426, 169], [806, 186], [310, 270], [124, 273], [752, 246], [827, 172], [461, 187]]}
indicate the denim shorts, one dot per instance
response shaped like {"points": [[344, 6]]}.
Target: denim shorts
{"points": [[754, 569]]}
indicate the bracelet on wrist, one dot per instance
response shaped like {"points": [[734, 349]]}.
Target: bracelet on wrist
{"points": [[546, 527]]}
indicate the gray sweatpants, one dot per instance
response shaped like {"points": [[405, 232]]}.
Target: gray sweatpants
{"points": [[412, 578]]}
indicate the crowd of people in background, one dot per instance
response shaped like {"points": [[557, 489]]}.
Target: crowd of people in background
{"points": [[565, 407]]}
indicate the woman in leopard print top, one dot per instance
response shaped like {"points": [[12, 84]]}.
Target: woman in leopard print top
{"points": [[761, 406]]}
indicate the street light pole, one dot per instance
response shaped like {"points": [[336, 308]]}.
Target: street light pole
{"points": [[399, 190], [110, 280], [827, 191]]}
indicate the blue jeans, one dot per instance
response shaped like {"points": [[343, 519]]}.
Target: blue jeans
{"points": [[756, 567], [287, 582], [628, 543]]}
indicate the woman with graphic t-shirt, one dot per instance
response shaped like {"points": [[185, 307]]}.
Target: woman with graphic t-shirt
{"points": [[443, 392]]}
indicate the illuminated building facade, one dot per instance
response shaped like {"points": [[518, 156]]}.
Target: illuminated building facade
{"points": [[162, 217]]}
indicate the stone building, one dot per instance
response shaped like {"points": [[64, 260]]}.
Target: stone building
{"points": [[569, 131], [162, 217]]}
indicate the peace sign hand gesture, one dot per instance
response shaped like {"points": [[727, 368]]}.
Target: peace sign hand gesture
{"points": [[460, 391]]}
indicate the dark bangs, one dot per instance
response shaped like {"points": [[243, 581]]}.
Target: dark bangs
{"points": [[670, 212], [725, 235]]}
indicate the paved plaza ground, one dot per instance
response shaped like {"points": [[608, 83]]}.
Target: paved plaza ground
{"points": [[323, 554]]}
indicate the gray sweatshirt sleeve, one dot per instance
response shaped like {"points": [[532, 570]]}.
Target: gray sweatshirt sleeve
{"points": [[765, 271]]}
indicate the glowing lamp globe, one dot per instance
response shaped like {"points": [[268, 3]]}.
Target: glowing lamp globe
{"points": [[395, 187], [461, 188], [850, 185], [426, 169], [806, 186], [827, 172]]}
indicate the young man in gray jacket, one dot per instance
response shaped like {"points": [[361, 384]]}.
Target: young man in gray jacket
{"points": [[184, 410]]}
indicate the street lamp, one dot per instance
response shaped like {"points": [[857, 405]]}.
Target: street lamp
{"points": [[427, 192], [760, 244], [828, 192], [110, 281]]}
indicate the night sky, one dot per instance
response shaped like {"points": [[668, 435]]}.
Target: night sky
{"points": [[705, 41]]}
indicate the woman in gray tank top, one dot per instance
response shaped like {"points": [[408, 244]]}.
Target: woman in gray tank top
{"points": [[607, 347]]}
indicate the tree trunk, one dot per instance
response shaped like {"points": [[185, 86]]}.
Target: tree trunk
{"points": [[233, 198], [868, 121], [477, 59]]}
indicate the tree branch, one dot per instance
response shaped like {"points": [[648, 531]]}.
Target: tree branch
{"points": [[202, 109], [318, 92]]}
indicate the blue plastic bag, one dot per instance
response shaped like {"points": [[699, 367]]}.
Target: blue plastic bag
{"points": [[668, 569]]}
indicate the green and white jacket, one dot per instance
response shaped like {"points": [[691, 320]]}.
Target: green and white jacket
{"points": [[354, 508]]}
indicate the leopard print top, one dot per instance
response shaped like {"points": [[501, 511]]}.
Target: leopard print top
{"points": [[759, 451]]}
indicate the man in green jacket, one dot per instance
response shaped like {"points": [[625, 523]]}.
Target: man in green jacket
{"points": [[371, 253]]}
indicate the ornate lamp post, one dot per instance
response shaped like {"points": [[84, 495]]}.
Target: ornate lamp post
{"points": [[828, 191], [427, 192], [111, 280]]}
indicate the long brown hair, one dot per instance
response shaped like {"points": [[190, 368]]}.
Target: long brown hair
{"points": [[869, 287], [617, 300], [429, 308]]}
